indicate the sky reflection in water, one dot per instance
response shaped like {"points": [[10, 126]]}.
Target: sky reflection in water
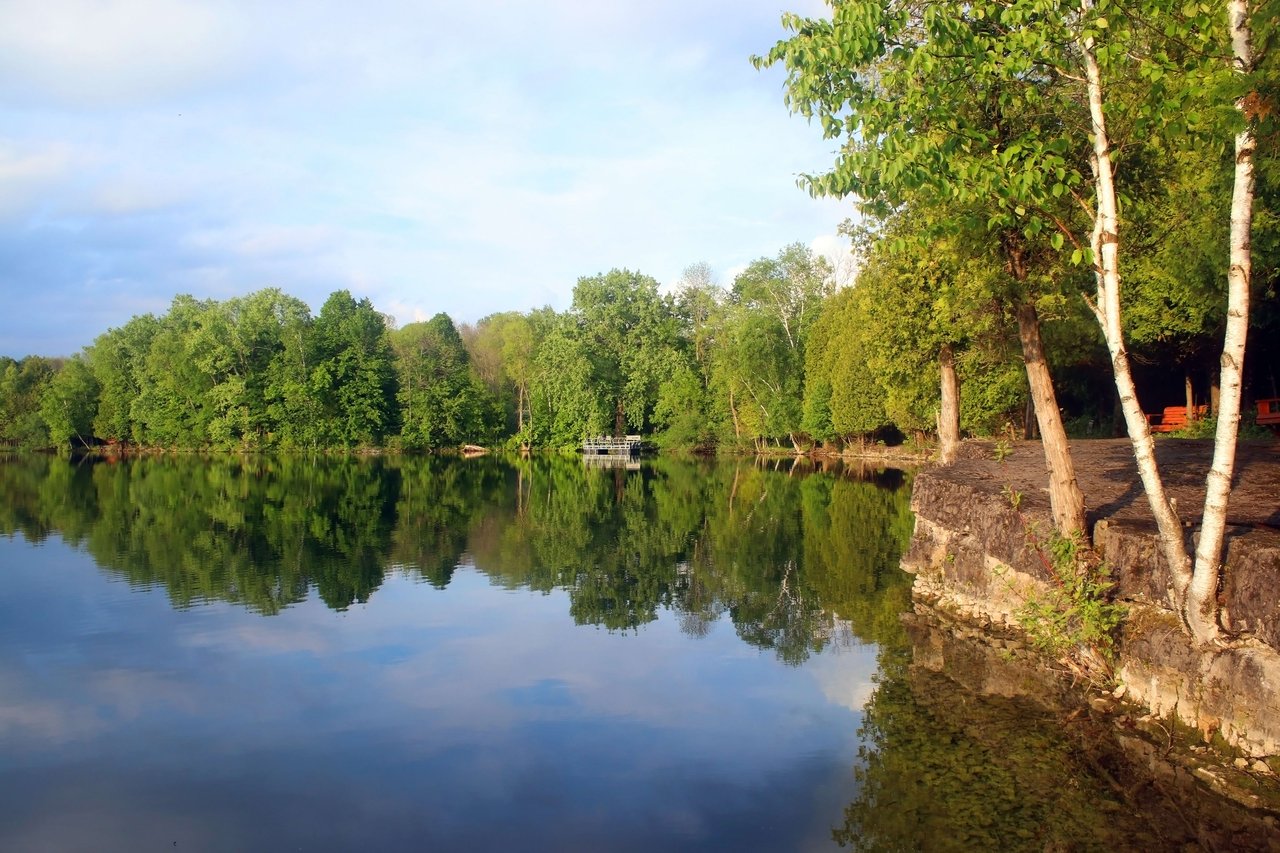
{"points": [[475, 716]]}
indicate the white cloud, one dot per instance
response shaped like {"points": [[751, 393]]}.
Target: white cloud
{"points": [[27, 171], [465, 158], [839, 253], [846, 676], [112, 51]]}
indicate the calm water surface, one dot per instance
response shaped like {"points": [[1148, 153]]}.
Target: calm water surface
{"points": [[426, 654]]}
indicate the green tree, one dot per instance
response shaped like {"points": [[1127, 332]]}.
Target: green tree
{"points": [[352, 373], [293, 410], [629, 335], [564, 402], [238, 346], [69, 404], [942, 106], [116, 358], [771, 309], [844, 396], [503, 348], [175, 406], [442, 403], [758, 375], [22, 385]]}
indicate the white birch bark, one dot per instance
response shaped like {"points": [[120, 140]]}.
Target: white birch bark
{"points": [[1202, 606], [1106, 250]]}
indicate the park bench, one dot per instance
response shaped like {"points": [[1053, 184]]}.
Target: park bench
{"points": [[1173, 418], [1269, 412]]}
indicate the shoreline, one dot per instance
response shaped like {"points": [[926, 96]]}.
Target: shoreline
{"points": [[973, 561]]}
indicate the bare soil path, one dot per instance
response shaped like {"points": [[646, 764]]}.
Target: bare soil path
{"points": [[1109, 478]]}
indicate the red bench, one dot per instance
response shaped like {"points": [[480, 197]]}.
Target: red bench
{"points": [[1269, 412], [1174, 418]]}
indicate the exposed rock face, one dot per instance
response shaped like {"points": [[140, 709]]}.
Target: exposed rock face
{"points": [[974, 557]]}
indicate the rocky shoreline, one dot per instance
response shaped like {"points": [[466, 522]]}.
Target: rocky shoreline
{"points": [[975, 562]]}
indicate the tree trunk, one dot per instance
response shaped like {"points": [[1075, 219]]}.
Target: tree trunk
{"points": [[1190, 396], [1215, 397], [1105, 243], [949, 412], [1064, 492], [1202, 604], [733, 412]]}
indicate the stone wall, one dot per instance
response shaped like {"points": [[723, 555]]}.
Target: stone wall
{"points": [[974, 557]]}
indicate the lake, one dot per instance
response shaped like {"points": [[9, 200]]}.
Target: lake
{"points": [[278, 653]]}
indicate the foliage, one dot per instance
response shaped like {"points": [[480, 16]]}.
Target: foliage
{"points": [[949, 766], [22, 385], [353, 377], [845, 396], [1076, 619], [69, 402], [442, 402]]}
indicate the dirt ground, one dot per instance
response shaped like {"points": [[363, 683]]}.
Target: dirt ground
{"points": [[1109, 478]]}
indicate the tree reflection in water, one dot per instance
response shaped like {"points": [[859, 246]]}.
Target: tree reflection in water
{"points": [[797, 561]]}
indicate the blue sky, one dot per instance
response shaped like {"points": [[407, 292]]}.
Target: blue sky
{"points": [[460, 157]]}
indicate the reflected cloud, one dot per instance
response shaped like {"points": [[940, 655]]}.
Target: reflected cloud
{"points": [[279, 686], [847, 678]]}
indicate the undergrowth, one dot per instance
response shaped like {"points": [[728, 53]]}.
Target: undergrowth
{"points": [[1208, 428], [1076, 618]]}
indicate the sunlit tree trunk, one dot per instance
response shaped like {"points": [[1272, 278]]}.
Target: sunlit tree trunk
{"points": [[1202, 604], [949, 411], [1106, 251], [733, 412], [1065, 497]]}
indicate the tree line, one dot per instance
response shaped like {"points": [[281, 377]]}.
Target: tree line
{"points": [[782, 357]]}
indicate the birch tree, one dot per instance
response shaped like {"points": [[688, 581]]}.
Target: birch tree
{"points": [[1195, 586], [882, 75], [1201, 607]]}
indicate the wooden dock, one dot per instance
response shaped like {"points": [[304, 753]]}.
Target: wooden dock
{"points": [[617, 446]]}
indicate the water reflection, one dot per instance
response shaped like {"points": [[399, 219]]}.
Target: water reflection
{"points": [[796, 561], [418, 684], [972, 744]]}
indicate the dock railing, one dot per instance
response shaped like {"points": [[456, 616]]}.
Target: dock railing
{"points": [[612, 445]]}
